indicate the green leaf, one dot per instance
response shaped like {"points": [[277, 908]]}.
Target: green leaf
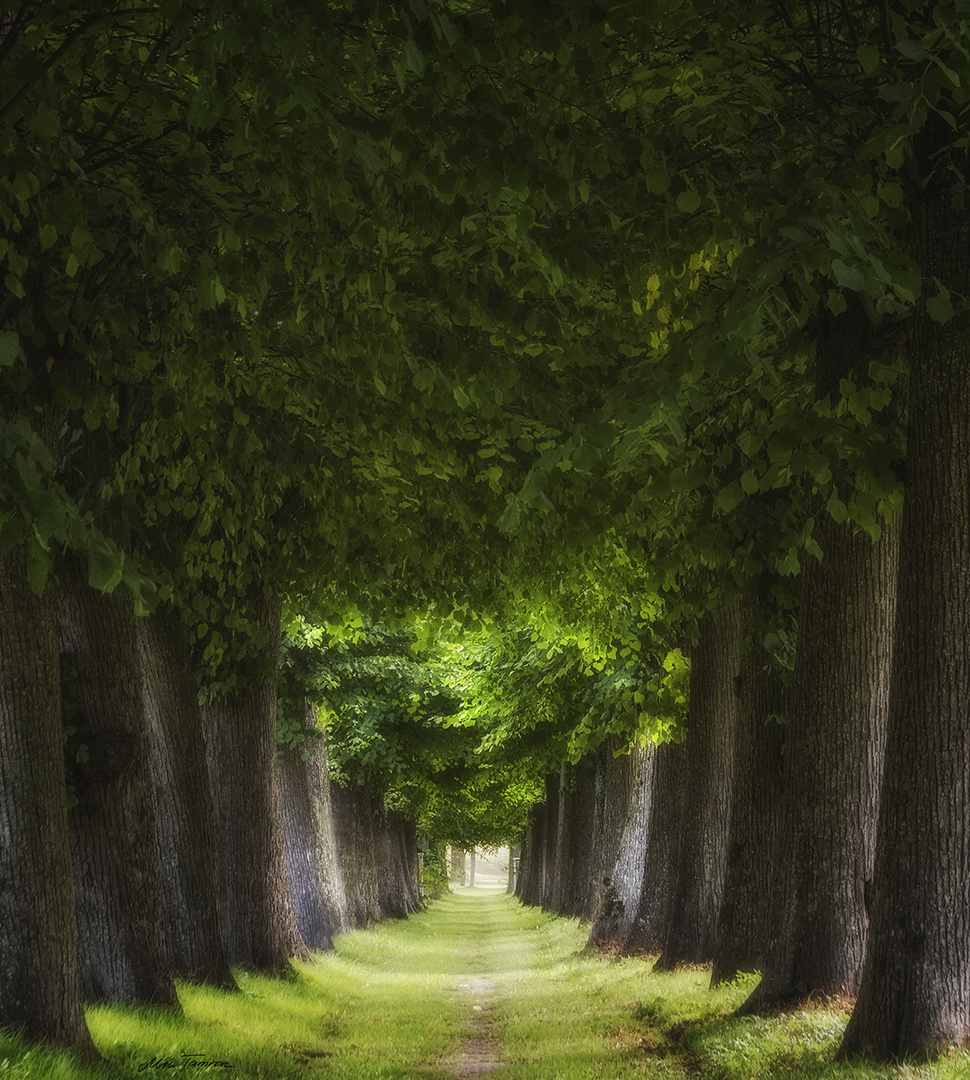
{"points": [[105, 568], [658, 179], [38, 568], [900, 92], [940, 307], [688, 201], [9, 348], [837, 509], [415, 57], [12, 528], [45, 123], [728, 498], [868, 56], [848, 276], [912, 50]]}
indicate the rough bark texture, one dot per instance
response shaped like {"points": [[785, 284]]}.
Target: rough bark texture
{"points": [[915, 991], [528, 886], [117, 881], [513, 861], [612, 790], [648, 931], [834, 752], [331, 881], [836, 738], [397, 848], [630, 784], [711, 723], [182, 802], [756, 805], [573, 879], [40, 986], [549, 841], [378, 856], [313, 864], [258, 923], [355, 821]]}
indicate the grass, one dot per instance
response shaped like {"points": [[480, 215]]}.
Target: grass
{"points": [[384, 1006]]}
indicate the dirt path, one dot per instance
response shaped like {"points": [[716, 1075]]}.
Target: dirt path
{"points": [[481, 1051]]}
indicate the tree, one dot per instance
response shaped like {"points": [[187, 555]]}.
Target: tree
{"points": [[258, 921], [711, 723], [182, 800], [316, 880], [756, 799], [40, 987], [621, 888]]}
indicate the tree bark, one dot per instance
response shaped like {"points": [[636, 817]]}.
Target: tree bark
{"points": [[632, 783], [834, 752], [117, 880], [458, 866], [400, 894], [836, 738], [333, 890], [914, 997], [550, 841], [182, 802], [258, 921], [40, 984], [304, 837], [650, 924], [607, 822], [528, 887], [355, 822], [711, 724], [317, 886], [756, 805], [573, 880]]}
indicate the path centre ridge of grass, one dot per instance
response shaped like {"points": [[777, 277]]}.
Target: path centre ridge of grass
{"points": [[388, 1005]]}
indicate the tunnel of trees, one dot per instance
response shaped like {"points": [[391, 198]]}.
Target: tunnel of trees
{"points": [[429, 422]]}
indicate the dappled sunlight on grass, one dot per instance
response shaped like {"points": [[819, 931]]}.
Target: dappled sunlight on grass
{"points": [[388, 1004]]}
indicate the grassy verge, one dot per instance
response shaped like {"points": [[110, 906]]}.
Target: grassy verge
{"points": [[384, 1006], [571, 1016]]}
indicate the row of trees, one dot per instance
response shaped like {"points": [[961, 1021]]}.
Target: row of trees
{"points": [[632, 326]]}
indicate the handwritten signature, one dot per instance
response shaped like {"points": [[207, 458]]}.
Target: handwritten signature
{"points": [[187, 1061]]}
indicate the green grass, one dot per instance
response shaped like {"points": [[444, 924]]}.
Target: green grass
{"points": [[385, 1006]]}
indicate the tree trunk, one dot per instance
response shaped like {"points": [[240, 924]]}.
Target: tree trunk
{"points": [[331, 881], [650, 924], [40, 985], [550, 841], [355, 820], [621, 892], [834, 751], [458, 866], [400, 894], [313, 864], [182, 802], [258, 921], [756, 806], [606, 829], [574, 881], [914, 997], [117, 880], [711, 724], [528, 887]]}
